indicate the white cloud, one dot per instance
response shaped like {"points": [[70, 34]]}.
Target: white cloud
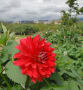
{"points": [[32, 9]]}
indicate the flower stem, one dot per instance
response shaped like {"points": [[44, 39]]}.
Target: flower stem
{"points": [[27, 83]]}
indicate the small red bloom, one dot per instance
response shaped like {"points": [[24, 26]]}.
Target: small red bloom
{"points": [[35, 58]]}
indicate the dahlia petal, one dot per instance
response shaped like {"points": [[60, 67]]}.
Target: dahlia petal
{"points": [[36, 39], [18, 47], [18, 55], [42, 72], [51, 49], [27, 64], [33, 80], [48, 44], [40, 66], [35, 74], [53, 54], [42, 43], [23, 42], [40, 79], [29, 72], [47, 76], [24, 45], [35, 58], [52, 59], [48, 72], [18, 62], [34, 66], [52, 70], [44, 65], [36, 42], [23, 71], [29, 43]]}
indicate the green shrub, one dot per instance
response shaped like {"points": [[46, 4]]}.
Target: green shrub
{"points": [[30, 30]]}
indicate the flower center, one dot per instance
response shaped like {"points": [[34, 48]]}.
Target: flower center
{"points": [[42, 57]]}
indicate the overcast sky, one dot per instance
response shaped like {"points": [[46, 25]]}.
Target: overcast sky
{"points": [[32, 9]]}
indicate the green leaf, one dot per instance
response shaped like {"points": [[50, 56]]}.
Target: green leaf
{"points": [[11, 48], [3, 89], [4, 55], [4, 28], [4, 38], [75, 73], [58, 79], [8, 51], [54, 88], [70, 74], [68, 85], [81, 87], [14, 73], [71, 85], [11, 36], [18, 87]]}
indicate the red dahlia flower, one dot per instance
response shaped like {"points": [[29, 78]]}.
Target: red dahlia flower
{"points": [[35, 58]]}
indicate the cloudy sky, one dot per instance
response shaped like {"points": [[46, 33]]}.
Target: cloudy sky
{"points": [[32, 9]]}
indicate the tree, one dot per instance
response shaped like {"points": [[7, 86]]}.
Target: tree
{"points": [[81, 10], [65, 18], [70, 17]]}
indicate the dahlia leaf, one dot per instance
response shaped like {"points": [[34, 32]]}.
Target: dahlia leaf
{"points": [[81, 87], [57, 78], [12, 36], [14, 73], [3, 88], [17, 87], [72, 85], [8, 51], [54, 88], [67, 86], [4, 55], [10, 48]]}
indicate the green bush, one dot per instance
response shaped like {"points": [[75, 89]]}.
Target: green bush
{"points": [[30, 30]]}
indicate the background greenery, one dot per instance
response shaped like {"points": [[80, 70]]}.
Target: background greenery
{"points": [[66, 38], [68, 44]]}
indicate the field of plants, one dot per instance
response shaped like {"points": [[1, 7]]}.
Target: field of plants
{"points": [[68, 44]]}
